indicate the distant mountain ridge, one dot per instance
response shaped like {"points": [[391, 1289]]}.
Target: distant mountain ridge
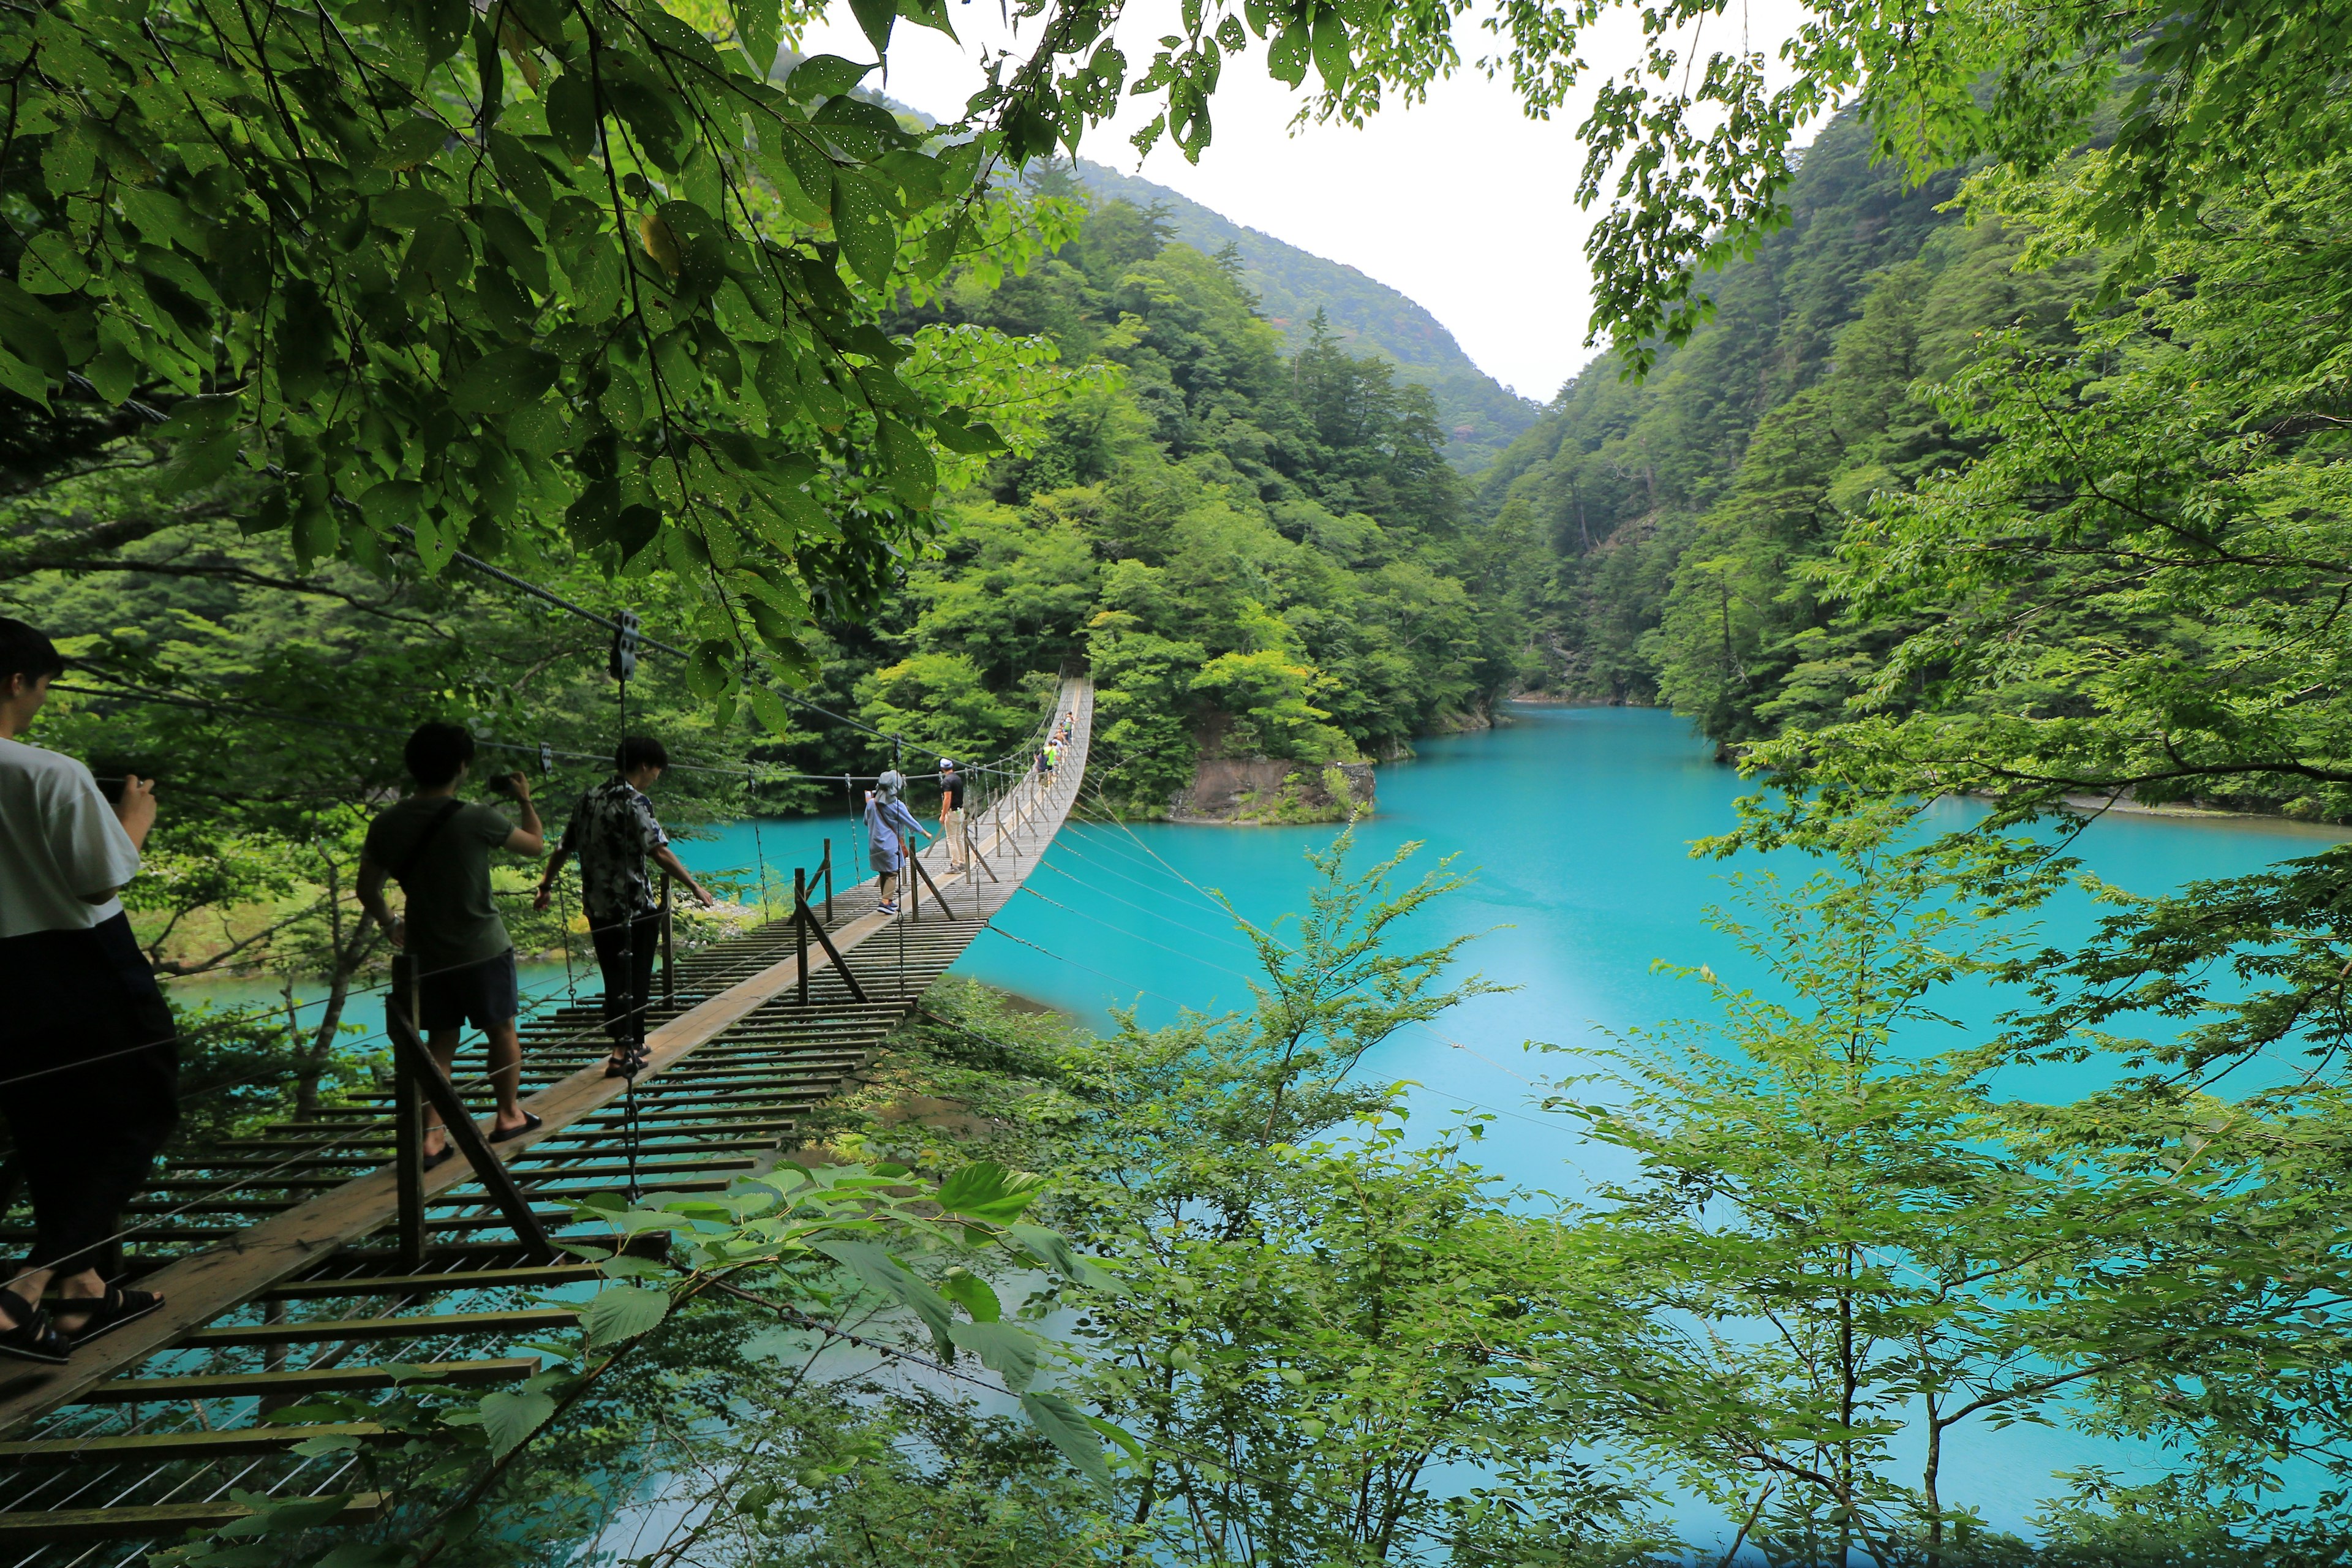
{"points": [[1482, 415]]}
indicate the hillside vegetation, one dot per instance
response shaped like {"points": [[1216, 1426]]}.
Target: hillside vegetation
{"points": [[1261, 551]]}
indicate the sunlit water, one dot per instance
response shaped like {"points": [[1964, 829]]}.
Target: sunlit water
{"points": [[1573, 826]]}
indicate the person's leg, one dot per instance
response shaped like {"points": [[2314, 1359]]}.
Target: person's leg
{"points": [[647, 938], [113, 1156], [505, 1072], [612, 939], [494, 1003], [442, 1044]]}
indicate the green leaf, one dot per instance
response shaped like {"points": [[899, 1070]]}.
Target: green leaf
{"points": [[521, 173], [906, 461], [620, 1312], [1330, 46], [391, 502], [707, 675], [510, 1417], [825, 76], [769, 709], [879, 1272], [1012, 1353], [760, 26], [571, 103], [949, 430], [974, 1294], [498, 382], [1286, 58], [985, 1190], [875, 17], [1065, 1427], [412, 142], [24, 380], [861, 219]]}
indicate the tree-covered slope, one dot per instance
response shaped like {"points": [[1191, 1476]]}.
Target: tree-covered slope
{"points": [[1481, 415], [1603, 499]]}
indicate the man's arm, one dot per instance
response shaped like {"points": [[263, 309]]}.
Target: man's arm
{"points": [[539, 899], [136, 809], [527, 838], [371, 893], [670, 863]]}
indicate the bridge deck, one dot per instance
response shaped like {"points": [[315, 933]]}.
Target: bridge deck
{"points": [[280, 1283]]}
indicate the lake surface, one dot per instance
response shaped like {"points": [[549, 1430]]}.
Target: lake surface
{"points": [[1574, 825]]}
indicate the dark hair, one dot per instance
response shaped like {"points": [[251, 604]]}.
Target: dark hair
{"points": [[436, 753], [640, 752], [25, 652]]}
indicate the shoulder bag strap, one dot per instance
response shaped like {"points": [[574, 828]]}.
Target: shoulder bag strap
{"points": [[449, 808]]}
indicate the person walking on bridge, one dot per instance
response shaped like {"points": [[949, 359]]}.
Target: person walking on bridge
{"points": [[437, 847], [951, 812], [613, 831], [888, 825], [87, 1047]]}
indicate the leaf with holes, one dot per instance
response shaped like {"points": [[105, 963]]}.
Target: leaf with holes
{"points": [[861, 218]]}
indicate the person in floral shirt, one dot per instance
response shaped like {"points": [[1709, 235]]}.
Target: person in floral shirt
{"points": [[613, 831]]}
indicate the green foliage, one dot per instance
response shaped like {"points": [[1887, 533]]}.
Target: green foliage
{"points": [[1259, 558]]}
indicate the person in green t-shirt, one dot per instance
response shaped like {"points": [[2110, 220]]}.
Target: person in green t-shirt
{"points": [[437, 847]]}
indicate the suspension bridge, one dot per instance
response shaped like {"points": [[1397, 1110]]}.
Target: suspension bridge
{"points": [[307, 1258]]}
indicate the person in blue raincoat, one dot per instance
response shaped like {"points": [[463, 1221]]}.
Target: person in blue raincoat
{"points": [[888, 824]]}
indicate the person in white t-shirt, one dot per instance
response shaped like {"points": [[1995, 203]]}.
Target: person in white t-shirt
{"points": [[88, 1055]]}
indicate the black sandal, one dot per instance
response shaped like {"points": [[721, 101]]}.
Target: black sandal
{"points": [[531, 1123], [110, 1311], [447, 1149], [629, 1062], [31, 1334]]}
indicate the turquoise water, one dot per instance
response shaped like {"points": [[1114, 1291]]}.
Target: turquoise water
{"points": [[1573, 825]]}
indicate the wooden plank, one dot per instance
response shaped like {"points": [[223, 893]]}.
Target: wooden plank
{"points": [[155, 1448], [34, 1528], [423, 1326], [433, 1284], [307, 1380]]}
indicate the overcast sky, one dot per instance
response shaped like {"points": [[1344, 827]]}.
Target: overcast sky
{"points": [[1462, 203]]}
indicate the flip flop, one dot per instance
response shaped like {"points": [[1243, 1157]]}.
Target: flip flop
{"points": [[110, 1311], [33, 1336], [447, 1149], [531, 1123]]}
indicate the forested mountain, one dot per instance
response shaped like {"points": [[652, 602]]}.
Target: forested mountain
{"points": [[1480, 416], [1261, 549], [1627, 493]]}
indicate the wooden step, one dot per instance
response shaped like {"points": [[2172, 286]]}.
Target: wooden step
{"points": [[34, 1527], [328, 1330], [294, 1383], [433, 1284], [145, 1448]]}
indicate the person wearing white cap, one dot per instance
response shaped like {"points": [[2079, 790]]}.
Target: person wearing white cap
{"points": [[951, 811], [887, 825]]}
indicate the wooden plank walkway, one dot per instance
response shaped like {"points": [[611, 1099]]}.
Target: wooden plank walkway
{"points": [[277, 1240]]}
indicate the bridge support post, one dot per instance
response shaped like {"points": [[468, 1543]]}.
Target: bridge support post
{"points": [[408, 1113], [831, 952], [417, 1074], [800, 928], [825, 872]]}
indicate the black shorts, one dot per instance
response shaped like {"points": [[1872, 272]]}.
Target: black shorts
{"points": [[478, 994]]}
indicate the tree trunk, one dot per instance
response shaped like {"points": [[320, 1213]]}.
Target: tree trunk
{"points": [[348, 951]]}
